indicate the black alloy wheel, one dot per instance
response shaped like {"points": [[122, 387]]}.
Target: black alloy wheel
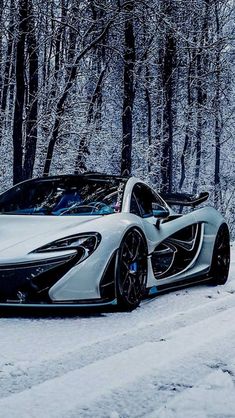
{"points": [[221, 257], [131, 270]]}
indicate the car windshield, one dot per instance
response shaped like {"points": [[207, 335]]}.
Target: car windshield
{"points": [[63, 197]]}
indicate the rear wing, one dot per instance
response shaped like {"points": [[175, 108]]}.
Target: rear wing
{"points": [[184, 199]]}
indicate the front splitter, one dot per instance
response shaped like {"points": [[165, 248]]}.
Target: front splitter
{"points": [[19, 305]]}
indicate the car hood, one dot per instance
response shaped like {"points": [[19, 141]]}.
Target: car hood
{"points": [[20, 234]]}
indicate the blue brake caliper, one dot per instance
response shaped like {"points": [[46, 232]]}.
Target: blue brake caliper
{"points": [[133, 267]]}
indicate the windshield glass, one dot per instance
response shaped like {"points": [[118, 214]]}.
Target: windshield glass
{"points": [[63, 196]]}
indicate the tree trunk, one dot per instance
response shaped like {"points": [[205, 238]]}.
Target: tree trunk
{"points": [[198, 146], [83, 149], [202, 68], [149, 117], [20, 94], [58, 47], [128, 91], [7, 70], [1, 51], [217, 192], [167, 146], [32, 116], [188, 134]]}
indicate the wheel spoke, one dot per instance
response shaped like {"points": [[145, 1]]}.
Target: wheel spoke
{"points": [[125, 264], [125, 279], [135, 256], [138, 282], [134, 292], [129, 291], [128, 251]]}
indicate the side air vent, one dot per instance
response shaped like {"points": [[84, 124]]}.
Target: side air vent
{"points": [[177, 252]]}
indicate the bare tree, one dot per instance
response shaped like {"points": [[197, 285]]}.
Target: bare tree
{"points": [[128, 90], [20, 93], [168, 67], [6, 78], [62, 101], [32, 102]]}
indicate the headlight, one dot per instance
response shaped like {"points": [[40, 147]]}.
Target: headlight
{"points": [[85, 245]]}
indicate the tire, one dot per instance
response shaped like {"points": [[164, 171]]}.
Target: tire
{"points": [[131, 270], [221, 257]]}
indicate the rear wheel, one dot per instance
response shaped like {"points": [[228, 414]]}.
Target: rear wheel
{"points": [[131, 270], [221, 257]]}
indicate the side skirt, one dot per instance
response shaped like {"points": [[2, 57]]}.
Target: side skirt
{"points": [[156, 290]]}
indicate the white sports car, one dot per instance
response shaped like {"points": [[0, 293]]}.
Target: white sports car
{"points": [[97, 240]]}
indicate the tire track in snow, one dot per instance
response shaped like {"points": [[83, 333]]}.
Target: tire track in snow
{"points": [[211, 396], [18, 377], [168, 388], [79, 388]]}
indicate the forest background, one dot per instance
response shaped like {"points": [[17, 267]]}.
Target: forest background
{"points": [[120, 86]]}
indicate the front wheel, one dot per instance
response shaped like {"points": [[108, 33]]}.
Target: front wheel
{"points": [[221, 257], [131, 270]]}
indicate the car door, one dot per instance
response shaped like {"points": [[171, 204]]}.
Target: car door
{"points": [[173, 240]]}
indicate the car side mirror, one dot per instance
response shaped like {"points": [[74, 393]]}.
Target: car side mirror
{"points": [[160, 213]]}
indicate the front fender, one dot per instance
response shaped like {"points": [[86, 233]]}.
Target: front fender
{"points": [[83, 280]]}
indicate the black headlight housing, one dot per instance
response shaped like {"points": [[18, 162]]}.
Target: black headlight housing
{"points": [[84, 244]]}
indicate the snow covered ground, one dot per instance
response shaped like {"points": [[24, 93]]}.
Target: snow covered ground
{"points": [[172, 357]]}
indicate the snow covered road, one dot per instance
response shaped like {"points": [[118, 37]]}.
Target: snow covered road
{"points": [[172, 357]]}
